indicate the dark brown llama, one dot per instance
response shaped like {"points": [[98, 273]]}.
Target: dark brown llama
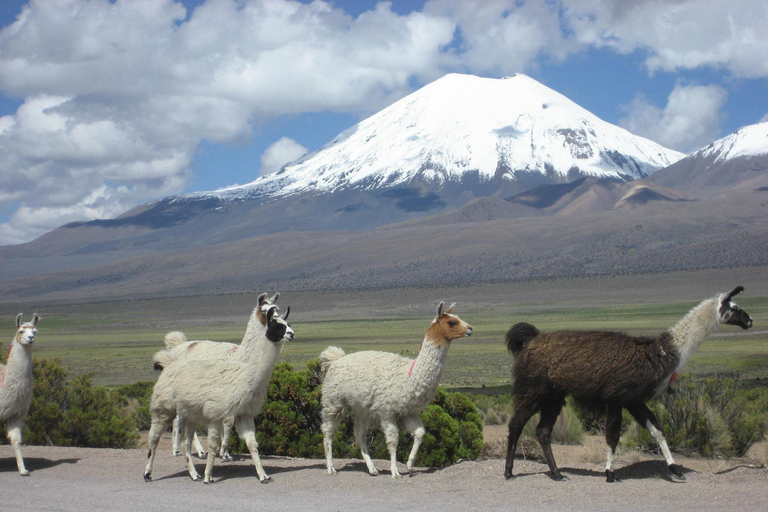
{"points": [[605, 371]]}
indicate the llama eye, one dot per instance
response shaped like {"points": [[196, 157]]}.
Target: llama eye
{"points": [[452, 323]]}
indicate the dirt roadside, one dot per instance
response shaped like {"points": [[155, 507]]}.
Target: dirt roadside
{"points": [[74, 479]]}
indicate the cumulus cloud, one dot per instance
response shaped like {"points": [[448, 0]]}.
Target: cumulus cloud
{"points": [[280, 153], [689, 121], [680, 34], [118, 95]]}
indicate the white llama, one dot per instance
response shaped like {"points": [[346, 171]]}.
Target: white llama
{"points": [[16, 385], [385, 388], [211, 391], [178, 347]]}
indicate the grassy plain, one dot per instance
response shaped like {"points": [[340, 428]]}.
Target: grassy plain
{"points": [[115, 340]]}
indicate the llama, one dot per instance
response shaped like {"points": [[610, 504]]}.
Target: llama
{"points": [[177, 346], [386, 388], [16, 385], [211, 391], [606, 371]]}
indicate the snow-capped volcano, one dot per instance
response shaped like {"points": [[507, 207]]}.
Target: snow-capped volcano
{"points": [[493, 129]]}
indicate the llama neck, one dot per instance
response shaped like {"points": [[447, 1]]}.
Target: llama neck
{"points": [[694, 328], [19, 362], [427, 369], [255, 344]]}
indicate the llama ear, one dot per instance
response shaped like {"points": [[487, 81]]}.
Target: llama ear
{"points": [[733, 293], [271, 312], [450, 309], [35, 318], [274, 298], [440, 307], [18, 320], [261, 299], [285, 315]]}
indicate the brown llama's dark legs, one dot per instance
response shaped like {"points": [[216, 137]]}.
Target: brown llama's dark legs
{"points": [[525, 407], [612, 434], [549, 412], [645, 417]]}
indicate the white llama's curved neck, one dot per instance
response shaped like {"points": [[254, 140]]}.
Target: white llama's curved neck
{"points": [[694, 328], [255, 344], [427, 369], [19, 362]]}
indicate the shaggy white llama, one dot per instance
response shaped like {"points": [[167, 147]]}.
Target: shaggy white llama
{"points": [[16, 385], [210, 391], [177, 347], [386, 388]]}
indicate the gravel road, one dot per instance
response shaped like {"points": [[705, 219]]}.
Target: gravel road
{"points": [[76, 479]]}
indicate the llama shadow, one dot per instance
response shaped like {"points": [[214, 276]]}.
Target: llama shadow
{"points": [[226, 471], [644, 470], [33, 464]]}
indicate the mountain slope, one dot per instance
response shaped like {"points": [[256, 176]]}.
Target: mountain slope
{"points": [[738, 161]]}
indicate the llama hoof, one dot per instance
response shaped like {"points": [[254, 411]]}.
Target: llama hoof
{"points": [[226, 458], [676, 473], [176, 453], [147, 477], [331, 471], [610, 477], [557, 477], [24, 473], [206, 482], [266, 480], [373, 472], [202, 455], [194, 478]]}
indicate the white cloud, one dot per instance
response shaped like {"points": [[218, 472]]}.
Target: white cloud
{"points": [[680, 34], [689, 121], [280, 153], [118, 95]]}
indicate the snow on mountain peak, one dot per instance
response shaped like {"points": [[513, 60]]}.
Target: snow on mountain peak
{"points": [[462, 123], [747, 141]]}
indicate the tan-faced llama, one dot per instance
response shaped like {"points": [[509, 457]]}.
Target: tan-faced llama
{"points": [[385, 388]]}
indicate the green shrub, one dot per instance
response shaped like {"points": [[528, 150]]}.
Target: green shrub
{"points": [[138, 396], [710, 416], [76, 413]]}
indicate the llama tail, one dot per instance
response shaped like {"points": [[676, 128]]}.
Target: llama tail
{"points": [[327, 357], [174, 338], [519, 335]]}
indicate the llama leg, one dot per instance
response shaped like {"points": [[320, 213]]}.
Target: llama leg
{"points": [[228, 424], [549, 413], [155, 432], [331, 422], [187, 430], [391, 434], [15, 426], [612, 434], [524, 408], [198, 445], [214, 440], [647, 419], [415, 426], [247, 430], [360, 428], [176, 435]]}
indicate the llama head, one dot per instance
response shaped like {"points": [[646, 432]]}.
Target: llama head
{"points": [[262, 305], [277, 326], [730, 313], [446, 326], [25, 332]]}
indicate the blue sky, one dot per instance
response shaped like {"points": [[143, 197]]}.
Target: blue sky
{"points": [[108, 104]]}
